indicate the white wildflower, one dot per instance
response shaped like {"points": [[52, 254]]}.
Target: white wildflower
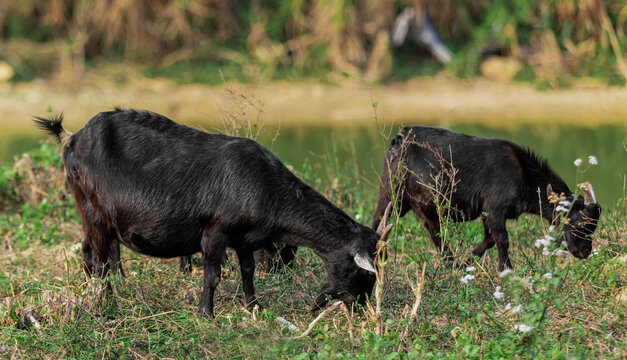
{"points": [[498, 294], [564, 203], [358, 217], [523, 328], [505, 272], [508, 307], [545, 241], [547, 275], [561, 208], [559, 252], [551, 228], [517, 309], [466, 278], [578, 162], [470, 268], [592, 160]]}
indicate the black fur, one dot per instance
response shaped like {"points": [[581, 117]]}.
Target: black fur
{"points": [[168, 190], [494, 176]]}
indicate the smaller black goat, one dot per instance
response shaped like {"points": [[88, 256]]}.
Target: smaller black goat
{"points": [[493, 178]]}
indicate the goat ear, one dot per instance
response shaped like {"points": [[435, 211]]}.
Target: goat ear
{"points": [[549, 190], [588, 194], [364, 262]]}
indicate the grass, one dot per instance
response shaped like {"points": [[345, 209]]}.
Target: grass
{"points": [[49, 309]]}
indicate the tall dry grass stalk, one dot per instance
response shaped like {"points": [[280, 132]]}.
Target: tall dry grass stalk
{"points": [[241, 114]]}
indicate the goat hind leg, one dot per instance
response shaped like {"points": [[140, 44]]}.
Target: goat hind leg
{"points": [[487, 243], [213, 252]]}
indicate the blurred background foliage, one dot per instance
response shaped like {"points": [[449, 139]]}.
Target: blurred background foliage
{"points": [[548, 42]]}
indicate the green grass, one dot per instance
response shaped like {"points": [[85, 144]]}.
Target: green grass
{"points": [[152, 312]]}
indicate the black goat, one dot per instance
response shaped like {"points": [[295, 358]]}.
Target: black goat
{"points": [[168, 190], [492, 178]]}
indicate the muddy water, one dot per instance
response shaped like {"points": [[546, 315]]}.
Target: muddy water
{"points": [[358, 151]]}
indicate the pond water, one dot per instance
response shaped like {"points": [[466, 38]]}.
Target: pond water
{"points": [[359, 151]]}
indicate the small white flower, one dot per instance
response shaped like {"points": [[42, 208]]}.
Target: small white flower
{"points": [[505, 272], [551, 228], [559, 252], [592, 160], [470, 268], [523, 328], [517, 309], [564, 203], [547, 275], [498, 294], [545, 241], [466, 278], [578, 162], [508, 307], [358, 217], [561, 208]]}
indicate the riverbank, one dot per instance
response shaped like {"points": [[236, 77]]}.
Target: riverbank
{"points": [[441, 99]]}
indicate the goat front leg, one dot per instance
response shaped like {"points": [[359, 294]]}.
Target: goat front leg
{"points": [[114, 258], [432, 223], [247, 268]]}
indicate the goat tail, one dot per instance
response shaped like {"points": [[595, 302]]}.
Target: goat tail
{"points": [[53, 127]]}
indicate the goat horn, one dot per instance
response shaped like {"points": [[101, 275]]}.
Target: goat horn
{"points": [[385, 231], [588, 194], [384, 221]]}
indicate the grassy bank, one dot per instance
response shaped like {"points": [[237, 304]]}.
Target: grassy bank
{"points": [[570, 308]]}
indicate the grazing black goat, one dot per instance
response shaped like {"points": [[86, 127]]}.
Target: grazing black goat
{"points": [[493, 178], [168, 190]]}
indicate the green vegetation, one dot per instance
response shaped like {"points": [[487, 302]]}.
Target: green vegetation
{"points": [[50, 310], [551, 42]]}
